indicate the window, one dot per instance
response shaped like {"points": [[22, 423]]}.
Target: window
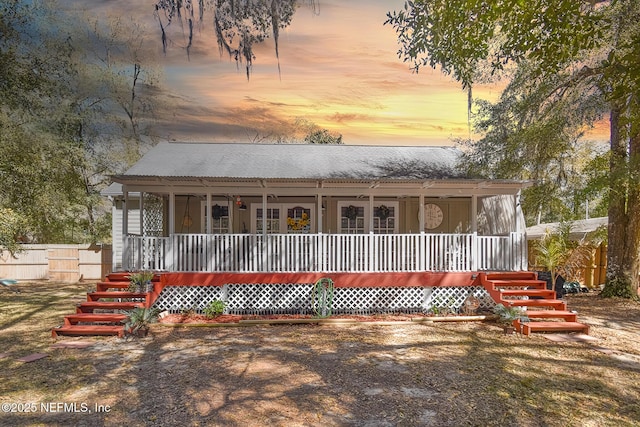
{"points": [[271, 219], [298, 220], [384, 219], [220, 218], [354, 217], [284, 218]]}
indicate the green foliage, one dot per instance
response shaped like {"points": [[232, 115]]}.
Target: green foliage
{"points": [[138, 280], [551, 252], [465, 38], [322, 136], [214, 308], [140, 318], [12, 227], [508, 314], [527, 135], [584, 49], [237, 26], [71, 104], [620, 287], [323, 297]]}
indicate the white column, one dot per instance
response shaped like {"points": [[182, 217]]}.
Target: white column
{"points": [[209, 215], [370, 213], [474, 213], [172, 213], [264, 213], [170, 256], [319, 213], [141, 212], [421, 212], [125, 228]]}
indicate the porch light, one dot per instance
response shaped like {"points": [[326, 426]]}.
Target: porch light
{"points": [[241, 205]]}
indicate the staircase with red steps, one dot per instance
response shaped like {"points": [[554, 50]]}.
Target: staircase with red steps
{"points": [[102, 313], [523, 289]]}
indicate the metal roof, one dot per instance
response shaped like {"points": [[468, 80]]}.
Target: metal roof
{"points": [[295, 161], [579, 228]]}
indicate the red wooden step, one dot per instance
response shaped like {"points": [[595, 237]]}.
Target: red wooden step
{"points": [[104, 286], [88, 330], [512, 275], [527, 328], [95, 296], [535, 284], [89, 306], [72, 319], [120, 276], [542, 293], [553, 303], [567, 316]]}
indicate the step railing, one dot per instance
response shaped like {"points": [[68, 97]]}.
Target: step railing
{"points": [[325, 252]]}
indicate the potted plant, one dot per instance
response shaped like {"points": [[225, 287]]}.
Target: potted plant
{"points": [[141, 281], [507, 314], [138, 320]]}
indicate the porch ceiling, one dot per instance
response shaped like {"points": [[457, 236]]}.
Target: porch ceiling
{"points": [[448, 188]]}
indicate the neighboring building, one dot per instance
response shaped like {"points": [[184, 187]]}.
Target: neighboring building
{"points": [[593, 271]]}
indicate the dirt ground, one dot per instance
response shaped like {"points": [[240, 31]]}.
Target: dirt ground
{"points": [[438, 374]]}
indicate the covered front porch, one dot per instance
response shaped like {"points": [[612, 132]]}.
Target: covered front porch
{"points": [[320, 252]]}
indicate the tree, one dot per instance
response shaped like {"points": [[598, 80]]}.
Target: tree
{"points": [[12, 227], [238, 24], [589, 42], [528, 136], [74, 96]]}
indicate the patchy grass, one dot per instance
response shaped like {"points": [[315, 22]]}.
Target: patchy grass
{"points": [[449, 374]]}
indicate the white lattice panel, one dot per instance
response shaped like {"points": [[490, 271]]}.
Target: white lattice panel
{"points": [[298, 298], [376, 300], [175, 299], [269, 298], [453, 298]]}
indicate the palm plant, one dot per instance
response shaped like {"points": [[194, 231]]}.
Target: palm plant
{"points": [[508, 314], [139, 319]]}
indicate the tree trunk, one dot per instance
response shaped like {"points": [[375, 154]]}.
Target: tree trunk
{"points": [[632, 246], [622, 253]]}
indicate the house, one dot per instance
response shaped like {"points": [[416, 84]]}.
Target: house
{"points": [[256, 225], [278, 208]]}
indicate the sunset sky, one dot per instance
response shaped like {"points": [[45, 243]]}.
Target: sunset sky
{"points": [[339, 69]]}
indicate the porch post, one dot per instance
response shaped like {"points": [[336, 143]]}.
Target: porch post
{"points": [[141, 212], [421, 212], [170, 255], [474, 213], [125, 228], [370, 213], [474, 233], [319, 213], [266, 256], [172, 213], [208, 214], [522, 262]]}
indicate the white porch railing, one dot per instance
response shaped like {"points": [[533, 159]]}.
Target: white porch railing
{"points": [[326, 252]]}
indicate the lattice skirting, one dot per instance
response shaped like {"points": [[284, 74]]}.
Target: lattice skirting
{"points": [[290, 298]]}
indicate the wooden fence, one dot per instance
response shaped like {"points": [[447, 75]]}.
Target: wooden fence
{"points": [[591, 274], [66, 263]]}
